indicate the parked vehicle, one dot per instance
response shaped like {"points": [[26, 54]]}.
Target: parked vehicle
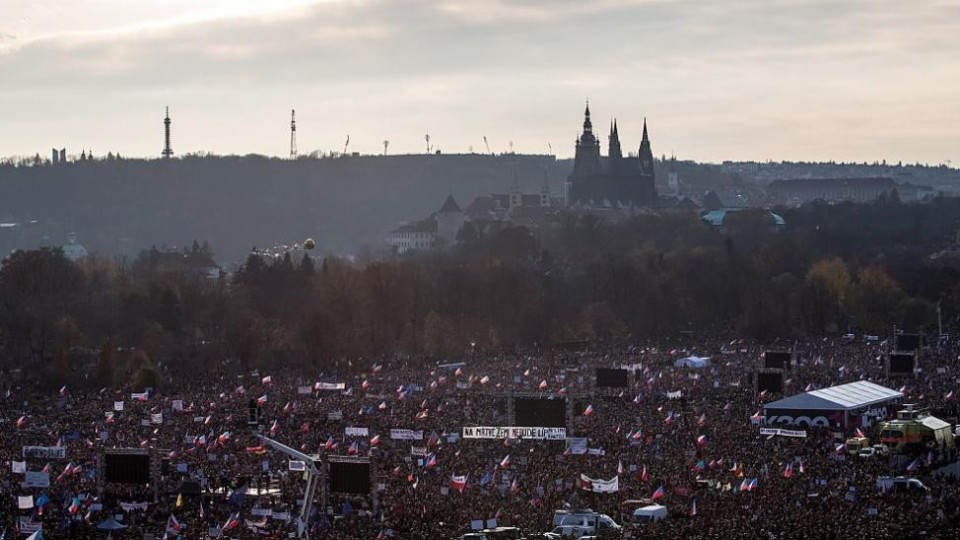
{"points": [[900, 483], [653, 513]]}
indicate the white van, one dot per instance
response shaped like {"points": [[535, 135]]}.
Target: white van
{"points": [[586, 519], [650, 514], [900, 483]]}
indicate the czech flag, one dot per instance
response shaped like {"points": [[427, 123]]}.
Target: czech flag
{"points": [[329, 444], [788, 470], [658, 493], [505, 462], [365, 384], [353, 449], [75, 506], [233, 522], [542, 385], [458, 482], [859, 433], [274, 428], [262, 400], [702, 441], [266, 380], [644, 475], [588, 411], [21, 421], [484, 380], [375, 440]]}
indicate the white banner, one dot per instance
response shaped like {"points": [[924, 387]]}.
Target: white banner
{"points": [[598, 485], [406, 435], [304, 390], [18, 467], [27, 526], [494, 432], [577, 445], [356, 431], [156, 418], [335, 415], [139, 396], [36, 479], [329, 386], [418, 450], [177, 404], [297, 465], [118, 406], [783, 432], [45, 452], [25, 502], [675, 395]]}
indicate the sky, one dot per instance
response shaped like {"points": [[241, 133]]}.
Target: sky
{"points": [[815, 80]]}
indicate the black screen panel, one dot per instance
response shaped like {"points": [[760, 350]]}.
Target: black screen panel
{"points": [[533, 412], [771, 382], [902, 364], [350, 478], [776, 360], [612, 378], [127, 468]]}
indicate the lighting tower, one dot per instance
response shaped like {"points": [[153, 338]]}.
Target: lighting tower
{"points": [[293, 134], [167, 151]]}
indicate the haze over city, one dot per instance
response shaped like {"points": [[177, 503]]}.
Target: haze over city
{"points": [[723, 80]]}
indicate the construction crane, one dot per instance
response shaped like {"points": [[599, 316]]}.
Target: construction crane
{"points": [[313, 478], [345, 145], [386, 144], [487, 145]]}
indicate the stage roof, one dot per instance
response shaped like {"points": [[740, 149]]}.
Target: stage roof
{"points": [[848, 397]]}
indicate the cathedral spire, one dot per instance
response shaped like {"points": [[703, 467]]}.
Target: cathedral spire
{"points": [[613, 149], [645, 138], [587, 124]]}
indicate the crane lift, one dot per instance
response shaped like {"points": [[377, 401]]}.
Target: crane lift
{"points": [[345, 145], [313, 479]]}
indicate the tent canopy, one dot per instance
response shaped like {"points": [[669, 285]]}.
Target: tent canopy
{"points": [[111, 524], [692, 362], [846, 397]]}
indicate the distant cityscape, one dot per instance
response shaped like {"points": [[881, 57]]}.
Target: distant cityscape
{"points": [[614, 186]]}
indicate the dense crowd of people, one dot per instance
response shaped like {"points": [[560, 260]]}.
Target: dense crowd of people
{"points": [[686, 438]]}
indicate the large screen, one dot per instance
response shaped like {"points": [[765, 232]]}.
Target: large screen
{"points": [[901, 364], [533, 412], [776, 360], [350, 477], [771, 382], [908, 342], [126, 468], [612, 378]]}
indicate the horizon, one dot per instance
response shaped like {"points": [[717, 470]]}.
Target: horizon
{"points": [[785, 81]]}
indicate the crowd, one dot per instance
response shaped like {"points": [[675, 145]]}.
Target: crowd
{"points": [[687, 431]]}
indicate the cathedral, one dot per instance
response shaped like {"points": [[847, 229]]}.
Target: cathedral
{"points": [[615, 181]]}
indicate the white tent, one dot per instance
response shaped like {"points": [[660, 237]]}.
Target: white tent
{"points": [[695, 362]]}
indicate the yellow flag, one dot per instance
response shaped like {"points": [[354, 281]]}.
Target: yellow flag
{"points": [[179, 500]]}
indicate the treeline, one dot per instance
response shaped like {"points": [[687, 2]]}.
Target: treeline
{"points": [[832, 269]]}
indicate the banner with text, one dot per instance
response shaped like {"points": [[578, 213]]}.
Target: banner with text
{"points": [[406, 435], [494, 432], [783, 432]]}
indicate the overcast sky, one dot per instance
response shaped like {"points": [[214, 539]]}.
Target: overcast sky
{"points": [[851, 80]]}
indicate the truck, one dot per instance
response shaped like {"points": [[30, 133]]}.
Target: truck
{"points": [[915, 431], [854, 445]]}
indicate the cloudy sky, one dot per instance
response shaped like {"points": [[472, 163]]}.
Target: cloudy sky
{"points": [[852, 80]]}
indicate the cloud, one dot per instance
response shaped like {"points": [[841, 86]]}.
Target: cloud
{"points": [[519, 69]]}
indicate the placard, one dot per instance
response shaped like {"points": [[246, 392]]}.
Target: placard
{"points": [[494, 432]]}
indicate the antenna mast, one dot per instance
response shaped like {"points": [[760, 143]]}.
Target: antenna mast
{"points": [[293, 134], [167, 151]]}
